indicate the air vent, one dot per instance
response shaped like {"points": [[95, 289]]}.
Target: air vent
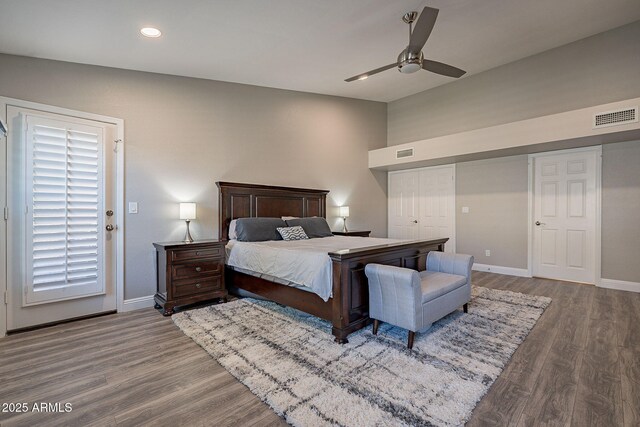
{"points": [[615, 118], [401, 154]]}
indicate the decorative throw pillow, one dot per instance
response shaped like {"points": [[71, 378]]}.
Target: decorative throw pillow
{"points": [[292, 233]]}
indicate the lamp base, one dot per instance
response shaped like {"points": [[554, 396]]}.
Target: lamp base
{"points": [[344, 227], [187, 236]]}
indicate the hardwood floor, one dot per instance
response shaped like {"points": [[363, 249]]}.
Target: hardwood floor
{"points": [[579, 366]]}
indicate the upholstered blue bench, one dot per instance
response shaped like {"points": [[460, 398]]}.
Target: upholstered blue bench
{"points": [[414, 300]]}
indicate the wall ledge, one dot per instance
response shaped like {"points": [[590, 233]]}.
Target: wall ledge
{"points": [[570, 129]]}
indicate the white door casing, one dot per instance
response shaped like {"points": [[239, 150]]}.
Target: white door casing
{"points": [[52, 301], [566, 215], [422, 204]]}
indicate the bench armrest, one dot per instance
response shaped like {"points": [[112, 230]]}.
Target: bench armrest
{"points": [[395, 294], [459, 264]]}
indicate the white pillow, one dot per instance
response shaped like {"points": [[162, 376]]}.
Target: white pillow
{"points": [[292, 233], [284, 218], [232, 230]]}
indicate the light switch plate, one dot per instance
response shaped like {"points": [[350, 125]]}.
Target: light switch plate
{"points": [[465, 209], [133, 207]]}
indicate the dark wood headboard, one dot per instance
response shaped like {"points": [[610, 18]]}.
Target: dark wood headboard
{"points": [[238, 200]]}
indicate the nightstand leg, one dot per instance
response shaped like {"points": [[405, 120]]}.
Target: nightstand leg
{"points": [[168, 312], [223, 300]]}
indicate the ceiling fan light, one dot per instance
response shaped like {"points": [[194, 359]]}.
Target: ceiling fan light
{"points": [[365, 77], [409, 68]]}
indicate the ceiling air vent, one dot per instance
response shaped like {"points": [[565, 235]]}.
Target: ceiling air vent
{"points": [[401, 154], [614, 118]]}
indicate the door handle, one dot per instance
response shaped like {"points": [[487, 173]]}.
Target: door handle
{"points": [[415, 221], [538, 223], [109, 227]]}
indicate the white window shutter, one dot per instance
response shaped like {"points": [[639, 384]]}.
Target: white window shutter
{"points": [[64, 187]]}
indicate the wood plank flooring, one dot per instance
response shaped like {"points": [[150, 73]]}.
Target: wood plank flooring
{"points": [[579, 366]]}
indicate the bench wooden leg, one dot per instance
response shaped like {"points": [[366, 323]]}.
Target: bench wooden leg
{"points": [[412, 335], [465, 308], [376, 324]]}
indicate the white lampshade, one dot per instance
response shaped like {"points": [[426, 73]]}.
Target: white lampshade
{"points": [[344, 211], [187, 211]]}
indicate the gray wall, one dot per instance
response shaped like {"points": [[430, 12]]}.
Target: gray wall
{"points": [[496, 193], [495, 190], [183, 134], [596, 70], [621, 211]]}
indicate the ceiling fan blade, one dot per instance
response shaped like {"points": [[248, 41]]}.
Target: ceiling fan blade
{"points": [[440, 68], [422, 29], [371, 73]]}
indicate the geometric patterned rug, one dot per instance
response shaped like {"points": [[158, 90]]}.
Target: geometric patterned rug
{"points": [[289, 360]]}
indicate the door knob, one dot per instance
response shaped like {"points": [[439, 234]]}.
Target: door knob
{"points": [[109, 227], [415, 221], [538, 223]]}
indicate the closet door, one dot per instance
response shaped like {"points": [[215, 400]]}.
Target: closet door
{"points": [[403, 204], [436, 217], [422, 204]]}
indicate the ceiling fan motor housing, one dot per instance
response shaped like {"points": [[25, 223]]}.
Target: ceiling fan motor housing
{"points": [[409, 62]]}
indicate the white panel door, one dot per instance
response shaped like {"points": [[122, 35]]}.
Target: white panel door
{"points": [[403, 202], [62, 253], [437, 205], [422, 204], [565, 215]]}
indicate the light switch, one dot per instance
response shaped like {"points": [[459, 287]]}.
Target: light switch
{"points": [[133, 207], [465, 209]]}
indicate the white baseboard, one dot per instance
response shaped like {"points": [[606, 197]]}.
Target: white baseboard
{"points": [[620, 285], [137, 303], [520, 272]]}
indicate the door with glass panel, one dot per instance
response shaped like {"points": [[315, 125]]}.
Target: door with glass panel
{"points": [[61, 219]]}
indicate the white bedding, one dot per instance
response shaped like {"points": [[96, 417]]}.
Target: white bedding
{"points": [[304, 262]]}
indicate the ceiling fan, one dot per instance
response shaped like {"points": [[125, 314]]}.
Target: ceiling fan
{"points": [[411, 59]]}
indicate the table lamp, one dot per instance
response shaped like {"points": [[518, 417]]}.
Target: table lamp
{"points": [[188, 212], [344, 213]]}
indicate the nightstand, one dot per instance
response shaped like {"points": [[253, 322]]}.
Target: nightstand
{"points": [[352, 233], [187, 273]]}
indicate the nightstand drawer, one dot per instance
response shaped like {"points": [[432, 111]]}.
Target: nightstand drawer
{"points": [[216, 252], [187, 287], [196, 269]]}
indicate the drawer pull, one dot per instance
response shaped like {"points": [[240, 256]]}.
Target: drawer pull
{"points": [[198, 269], [197, 253], [198, 285]]}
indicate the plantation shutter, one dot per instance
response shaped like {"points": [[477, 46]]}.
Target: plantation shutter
{"points": [[64, 226]]}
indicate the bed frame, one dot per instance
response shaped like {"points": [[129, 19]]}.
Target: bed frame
{"points": [[348, 309]]}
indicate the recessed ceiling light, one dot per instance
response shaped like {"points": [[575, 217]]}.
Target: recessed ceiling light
{"points": [[151, 32]]}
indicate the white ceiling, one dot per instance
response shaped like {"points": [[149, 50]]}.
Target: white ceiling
{"points": [[305, 45]]}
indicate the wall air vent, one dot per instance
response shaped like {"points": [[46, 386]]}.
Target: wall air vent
{"points": [[407, 152], [615, 118]]}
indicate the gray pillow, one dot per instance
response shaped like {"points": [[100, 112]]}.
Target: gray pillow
{"points": [[313, 227], [258, 229]]}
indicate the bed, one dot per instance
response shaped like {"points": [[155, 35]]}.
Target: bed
{"points": [[347, 308]]}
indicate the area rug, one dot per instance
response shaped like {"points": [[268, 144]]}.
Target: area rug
{"points": [[289, 360]]}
